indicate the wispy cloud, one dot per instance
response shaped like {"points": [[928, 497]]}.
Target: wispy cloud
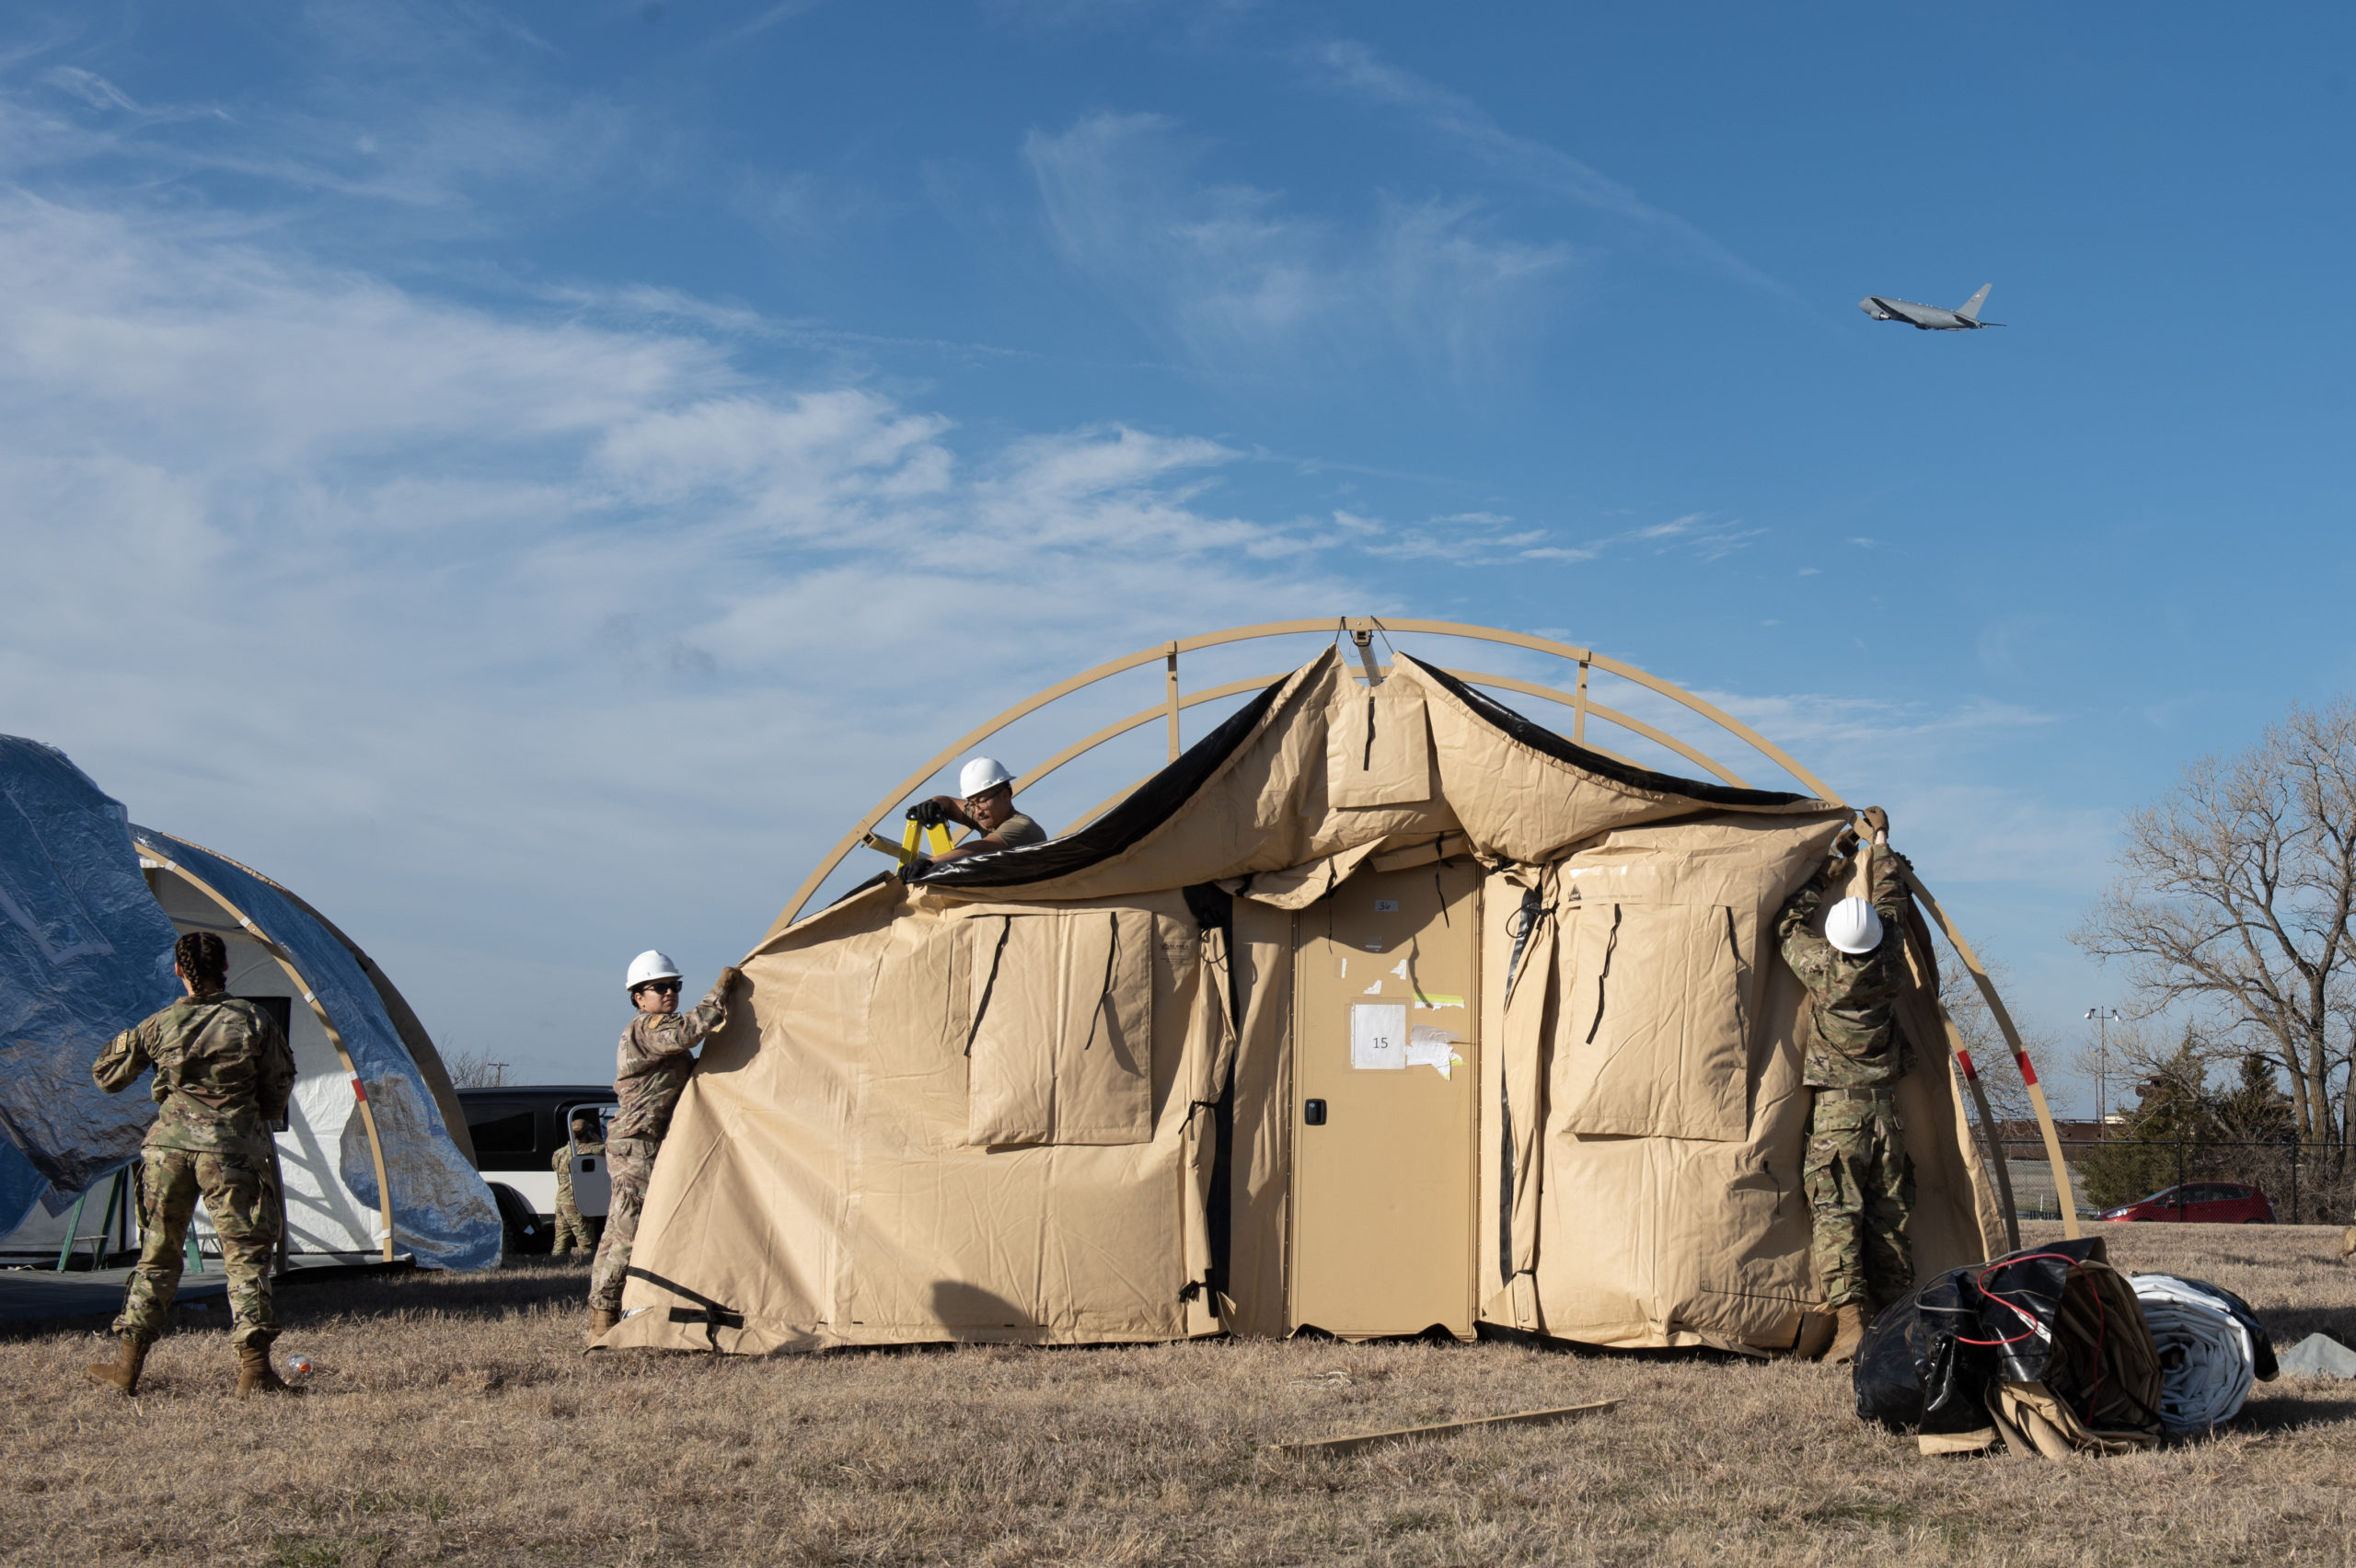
{"points": [[1241, 277], [460, 605], [1356, 68], [1483, 539]]}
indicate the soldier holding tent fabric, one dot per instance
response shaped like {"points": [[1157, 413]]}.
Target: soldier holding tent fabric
{"points": [[651, 1068], [223, 1076], [1860, 1181]]}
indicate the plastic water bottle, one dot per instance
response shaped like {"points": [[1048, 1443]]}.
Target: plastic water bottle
{"points": [[296, 1367]]}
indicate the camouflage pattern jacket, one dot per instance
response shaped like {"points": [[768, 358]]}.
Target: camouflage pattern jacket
{"points": [[652, 1067], [223, 1074], [1855, 1041]]}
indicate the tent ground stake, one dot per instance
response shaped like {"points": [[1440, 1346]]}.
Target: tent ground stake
{"points": [[1365, 1439]]}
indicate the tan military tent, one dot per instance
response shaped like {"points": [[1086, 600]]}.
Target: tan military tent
{"points": [[1380, 1009]]}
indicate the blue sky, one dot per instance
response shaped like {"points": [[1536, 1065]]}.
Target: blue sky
{"points": [[528, 476]]}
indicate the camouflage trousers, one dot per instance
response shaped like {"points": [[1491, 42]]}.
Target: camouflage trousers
{"points": [[241, 1196], [1861, 1190], [572, 1233], [630, 1161]]}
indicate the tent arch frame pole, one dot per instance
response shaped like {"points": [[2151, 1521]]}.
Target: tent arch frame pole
{"points": [[335, 1038], [1582, 706]]}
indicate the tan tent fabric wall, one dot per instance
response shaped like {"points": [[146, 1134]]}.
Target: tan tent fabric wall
{"points": [[1642, 1119], [1636, 1236], [820, 1186]]}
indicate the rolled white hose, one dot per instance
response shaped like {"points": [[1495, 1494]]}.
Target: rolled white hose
{"points": [[2206, 1384]]}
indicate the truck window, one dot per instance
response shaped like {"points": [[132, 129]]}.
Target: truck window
{"points": [[502, 1130]]}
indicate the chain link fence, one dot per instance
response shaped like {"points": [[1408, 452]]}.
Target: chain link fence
{"points": [[2305, 1185]]}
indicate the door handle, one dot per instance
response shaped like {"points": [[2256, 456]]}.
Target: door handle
{"points": [[1313, 1112]]}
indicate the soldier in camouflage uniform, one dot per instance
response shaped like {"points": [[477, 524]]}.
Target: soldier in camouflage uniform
{"points": [[571, 1228], [1860, 1182], [652, 1065], [223, 1076]]}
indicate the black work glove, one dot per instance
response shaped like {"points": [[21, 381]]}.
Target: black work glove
{"points": [[927, 814], [914, 867]]}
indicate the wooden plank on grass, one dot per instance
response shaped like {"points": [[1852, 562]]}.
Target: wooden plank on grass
{"points": [[1520, 1418]]}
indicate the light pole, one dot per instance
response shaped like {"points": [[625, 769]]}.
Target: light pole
{"points": [[2102, 1017]]}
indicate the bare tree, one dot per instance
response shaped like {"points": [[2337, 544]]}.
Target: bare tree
{"points": [[2236, 898], [472, 1067], [1991, 1055]]}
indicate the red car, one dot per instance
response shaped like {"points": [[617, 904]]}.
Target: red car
{"points": [[2200, 1203]]}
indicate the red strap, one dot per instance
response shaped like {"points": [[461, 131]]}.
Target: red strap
{"points": [[359, 1093], [1965, 1057], [2028, 1074]]}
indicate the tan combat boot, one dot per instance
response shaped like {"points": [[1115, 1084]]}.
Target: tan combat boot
{"points": [[1848, 1333], [122, 1372], [257, 1376], [600, 1321]]}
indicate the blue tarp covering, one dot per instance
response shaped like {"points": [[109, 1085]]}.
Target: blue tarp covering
{"points": [[442, 1211], [84, 953]]}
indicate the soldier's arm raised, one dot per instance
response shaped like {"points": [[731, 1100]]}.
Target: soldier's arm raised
{"points": [[119, 1065], [1792, 933]]}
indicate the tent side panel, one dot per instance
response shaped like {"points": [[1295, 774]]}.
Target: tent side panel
{"points": [[818, 1182], [1659, 1238], [1260, 1155]]}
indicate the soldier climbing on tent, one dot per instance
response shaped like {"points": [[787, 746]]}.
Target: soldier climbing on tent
{"points": [[652, 1068], [223, 1076], [571, 1228], [1860, 1181], [988, 808]]}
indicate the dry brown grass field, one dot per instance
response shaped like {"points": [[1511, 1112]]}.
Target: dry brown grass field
{"points": [[456, 1420]]}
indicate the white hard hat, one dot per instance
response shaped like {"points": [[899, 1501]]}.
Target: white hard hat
{"points": [[982, 774], [652, 965], [1852, 926]]}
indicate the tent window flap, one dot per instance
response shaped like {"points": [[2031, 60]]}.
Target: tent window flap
{"points": [[1655, 1037], [1061, 1039]]}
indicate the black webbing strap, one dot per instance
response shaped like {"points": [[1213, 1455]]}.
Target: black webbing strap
{"points": [[1005, 928], [713, 1316]]}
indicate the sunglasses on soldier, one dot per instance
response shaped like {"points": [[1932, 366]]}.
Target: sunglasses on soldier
{"points": [[662, 987]]}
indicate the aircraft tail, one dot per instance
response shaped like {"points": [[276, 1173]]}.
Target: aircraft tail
{"points": [[1969, 309]]}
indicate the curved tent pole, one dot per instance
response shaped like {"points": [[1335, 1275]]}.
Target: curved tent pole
{"points": [[335, 1037], [1170, 650], [1988, 1120], [2020, 1056], [1585, 658]]}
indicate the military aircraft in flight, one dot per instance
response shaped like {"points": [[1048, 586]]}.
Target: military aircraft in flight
{"points": [[1930, 317]]}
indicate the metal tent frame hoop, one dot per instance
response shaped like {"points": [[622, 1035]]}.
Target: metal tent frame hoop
{"points": [[1361, 630]]}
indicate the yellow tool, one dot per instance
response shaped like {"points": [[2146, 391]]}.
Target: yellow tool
{"points": [[933, 833]]}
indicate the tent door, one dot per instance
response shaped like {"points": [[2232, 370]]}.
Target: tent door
{"points": [[1385, 1013]]}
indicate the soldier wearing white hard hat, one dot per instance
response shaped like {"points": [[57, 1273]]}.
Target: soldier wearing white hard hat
{"points": [[657, 1053], [985, 802], [1860, 1182]]}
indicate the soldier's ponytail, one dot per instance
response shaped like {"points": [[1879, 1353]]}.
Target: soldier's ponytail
{"points": [[205, 958]]}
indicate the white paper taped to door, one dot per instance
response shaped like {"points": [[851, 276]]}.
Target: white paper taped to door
{"points": [[1379, 1035], [1428, 1045]]}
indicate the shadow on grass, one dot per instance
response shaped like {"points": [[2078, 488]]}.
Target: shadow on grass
{"points": [[518, 1286], [2292, 1403]]}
